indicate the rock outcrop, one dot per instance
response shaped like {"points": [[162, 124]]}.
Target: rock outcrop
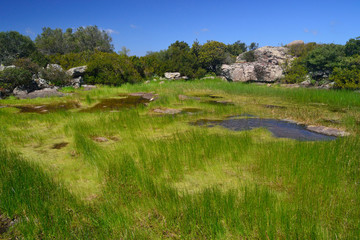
{"points": [[266, 68], [76, 71], [172, 75], [296, 42]]}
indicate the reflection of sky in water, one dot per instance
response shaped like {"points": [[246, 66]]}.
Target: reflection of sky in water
{"points": [[279, 128]]}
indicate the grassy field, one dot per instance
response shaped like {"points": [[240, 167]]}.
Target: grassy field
{"points": [[159, 177]]}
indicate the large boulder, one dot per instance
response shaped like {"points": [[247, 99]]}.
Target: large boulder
{"points": [[172, 75], [77, 71], [296, 42], [266, 68]]}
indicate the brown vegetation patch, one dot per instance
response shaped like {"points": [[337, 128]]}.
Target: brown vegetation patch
{"points": [[59, 145], [47, 108]]}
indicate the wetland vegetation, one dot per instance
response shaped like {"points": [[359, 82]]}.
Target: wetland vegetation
{"points": [[71, 168]]}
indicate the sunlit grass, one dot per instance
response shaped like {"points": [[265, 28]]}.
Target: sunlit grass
{"points": [[157, 176]]}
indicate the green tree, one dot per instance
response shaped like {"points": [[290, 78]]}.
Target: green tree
{"points": [[324, 58], [352, 47], [212, 54], [236, 48], [13, 45], [90, 38], [253, 46]]}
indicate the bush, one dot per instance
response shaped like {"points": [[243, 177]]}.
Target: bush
{"points": [[27, 64], [71, 60], [54, 76], [324, 59], [294, 72], [346, 78], [111, 69], [14, 77], [249, 56], [301, 50]]}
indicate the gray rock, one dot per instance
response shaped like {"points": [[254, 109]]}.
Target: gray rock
{"points": [[88, 87], [148, 96], [327, 131], [76, 82], [296, 42], [54, 66], [306, 83], [2, 67], [266, 68], [19, 92], [77, 71], [172, 75], [162, 82], [41, 83], [147, 82], [170, 111], [46, 92]]}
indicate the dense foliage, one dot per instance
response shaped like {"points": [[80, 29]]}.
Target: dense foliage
{"points": [[55, 41], [92, 46], [13, 77], [13, 45]]}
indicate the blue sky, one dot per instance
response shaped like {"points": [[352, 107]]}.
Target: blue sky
{"points": [[144, 26]]}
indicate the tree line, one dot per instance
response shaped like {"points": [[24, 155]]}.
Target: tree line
{"points": [[93, 47]]}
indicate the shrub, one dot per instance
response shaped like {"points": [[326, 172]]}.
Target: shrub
{"points": [[324, 58], [71, 60], [249, 56], [295, 71], [54, 76], [346, 78], [301, 50], [111, 69], [27, 64], [13, 77]]}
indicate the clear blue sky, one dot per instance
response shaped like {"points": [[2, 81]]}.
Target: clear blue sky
{"points": [[149, 25]]}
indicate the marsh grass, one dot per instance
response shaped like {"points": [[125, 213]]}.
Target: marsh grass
{"points": [[159, 177]]}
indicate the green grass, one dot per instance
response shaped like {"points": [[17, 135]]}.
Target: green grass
{"points": [[158, 177]]}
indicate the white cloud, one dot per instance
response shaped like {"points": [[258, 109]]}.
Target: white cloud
{"points": [[29, 32], [133, 26], [111, 31], [313, 32]]}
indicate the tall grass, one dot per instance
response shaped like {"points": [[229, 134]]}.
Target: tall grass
{"points": [[158, 177]]}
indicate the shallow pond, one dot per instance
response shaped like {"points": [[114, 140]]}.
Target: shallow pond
{"points": [[110, 104], [279, 128]]}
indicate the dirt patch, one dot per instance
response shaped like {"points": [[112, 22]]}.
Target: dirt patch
{"points": [[190, 110], [48, 108], [5, 224], [337, 109], [59, 145]]}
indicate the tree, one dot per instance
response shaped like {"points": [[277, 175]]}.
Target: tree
{"points": [[55, 41], [51, 41], [13, 45], [91, 38], [124, 51], [253, 46], [236, 48], [212, 55], [352, 47], [324, 58]]}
